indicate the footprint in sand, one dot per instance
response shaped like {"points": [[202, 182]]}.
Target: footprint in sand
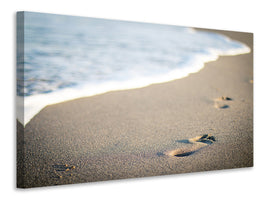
{"points": [[62, 170], [198, 142], [220, 102]]}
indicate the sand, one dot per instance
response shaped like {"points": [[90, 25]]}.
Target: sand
{"points": [[126, 134]]}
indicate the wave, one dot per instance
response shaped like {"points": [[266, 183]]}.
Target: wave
{"points": [[29, 106]]}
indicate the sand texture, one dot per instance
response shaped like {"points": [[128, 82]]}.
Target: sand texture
{"points": [[126, 134]]}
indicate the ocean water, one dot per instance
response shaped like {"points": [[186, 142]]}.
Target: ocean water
{"points": [[67, 57]]}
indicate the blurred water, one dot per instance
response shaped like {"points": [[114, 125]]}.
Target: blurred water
{"points": [[91, 56]]}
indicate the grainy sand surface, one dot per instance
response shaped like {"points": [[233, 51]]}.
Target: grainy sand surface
{"points": [[126, 134]]}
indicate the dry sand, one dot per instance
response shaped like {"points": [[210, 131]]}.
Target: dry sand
{"points": [[126, 134]]}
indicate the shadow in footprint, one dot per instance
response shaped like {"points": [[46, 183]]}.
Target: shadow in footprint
{"points": [[184, 154], [224, 98], [224, 106], [183, 141]]}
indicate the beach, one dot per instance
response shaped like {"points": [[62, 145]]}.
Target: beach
{"points": [[128, 133]]}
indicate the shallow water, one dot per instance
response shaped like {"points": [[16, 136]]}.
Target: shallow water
{"points": [[68, 57]]}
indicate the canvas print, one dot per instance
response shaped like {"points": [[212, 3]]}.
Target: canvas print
{"points": [[101, 99]]}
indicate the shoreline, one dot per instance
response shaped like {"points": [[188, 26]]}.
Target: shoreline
{"points": [[33, 104], [124, 134]]}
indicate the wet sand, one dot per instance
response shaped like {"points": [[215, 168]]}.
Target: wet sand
{"points": [[126, 134]]}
